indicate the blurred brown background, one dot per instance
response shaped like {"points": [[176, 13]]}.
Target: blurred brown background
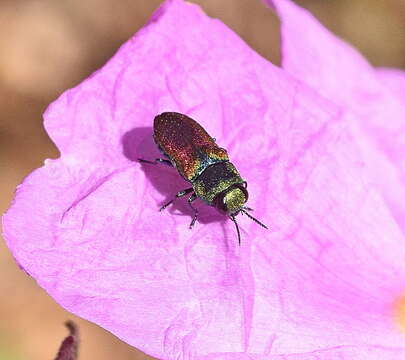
{"points": [[47, 46]]}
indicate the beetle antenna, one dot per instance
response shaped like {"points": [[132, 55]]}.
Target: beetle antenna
{"points": [[237, 227], [254, 219]]}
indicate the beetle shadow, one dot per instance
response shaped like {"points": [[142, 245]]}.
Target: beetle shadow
{"points": [[138, 144]]}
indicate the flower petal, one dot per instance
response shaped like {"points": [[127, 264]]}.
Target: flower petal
{"points": [[316, 56], [394, 79], [86, 225]]}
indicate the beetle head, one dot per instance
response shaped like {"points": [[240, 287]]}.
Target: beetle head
{"points": [[232, 201]]}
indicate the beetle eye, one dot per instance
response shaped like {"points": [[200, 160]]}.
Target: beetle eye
{"points": [[234, 200]]}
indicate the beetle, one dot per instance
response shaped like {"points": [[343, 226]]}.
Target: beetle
{"points": [[194, 153]]}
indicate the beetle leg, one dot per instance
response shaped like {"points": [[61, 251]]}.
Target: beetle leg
{"points": [[179, 194], [247, 208], [164, 161], [157, 161], [190, 200]]}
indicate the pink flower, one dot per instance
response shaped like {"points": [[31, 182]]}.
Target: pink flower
{"points": [[321, 145]]}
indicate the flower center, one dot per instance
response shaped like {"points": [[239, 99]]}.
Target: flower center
{"points": [[399, 309]]}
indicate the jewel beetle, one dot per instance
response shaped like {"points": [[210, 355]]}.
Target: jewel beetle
{"points": [[200, 161]]}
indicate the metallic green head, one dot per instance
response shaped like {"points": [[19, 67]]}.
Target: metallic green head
{"points": [[220, 185], [231, 200], [234, 199]]}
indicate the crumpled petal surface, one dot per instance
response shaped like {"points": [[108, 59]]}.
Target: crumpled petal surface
{"points": [[394, 79], [325, 281], [336, 70]]}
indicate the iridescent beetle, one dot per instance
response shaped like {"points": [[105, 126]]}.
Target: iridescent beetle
{"points": [[200, 161]]}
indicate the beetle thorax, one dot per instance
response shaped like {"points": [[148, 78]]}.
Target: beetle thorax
{"points": [[215, 181]]}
